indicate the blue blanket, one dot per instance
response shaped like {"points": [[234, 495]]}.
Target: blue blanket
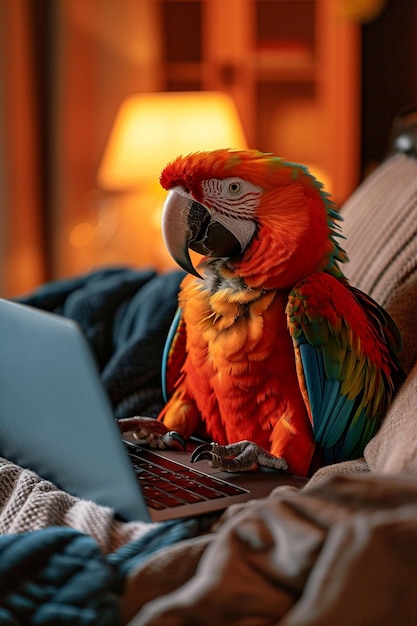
{"points": [[58, 575]]}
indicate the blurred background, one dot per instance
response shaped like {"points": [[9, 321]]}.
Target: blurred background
{"points": [[97, 95]]}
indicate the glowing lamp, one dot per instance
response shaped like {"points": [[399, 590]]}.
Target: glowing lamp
{"points": [[151, 129]]}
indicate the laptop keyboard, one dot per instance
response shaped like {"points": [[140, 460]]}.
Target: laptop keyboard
{"points": [[167, 484]]}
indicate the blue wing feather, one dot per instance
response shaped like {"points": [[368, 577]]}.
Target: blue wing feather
{"points": [[313, 374], [330, 409], [170, 345]]}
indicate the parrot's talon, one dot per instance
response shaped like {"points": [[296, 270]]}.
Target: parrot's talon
{"points": [[172, 439], [149, 431], [203, 453], [235, 457]]}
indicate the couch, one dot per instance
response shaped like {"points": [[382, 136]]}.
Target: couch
{"points": [[341, 550]]}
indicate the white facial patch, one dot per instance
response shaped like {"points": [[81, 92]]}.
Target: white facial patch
{"points": [[232, 202], [234, 197]]}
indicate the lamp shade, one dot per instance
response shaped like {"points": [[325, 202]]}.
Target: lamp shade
{"points": [[151, 129]]}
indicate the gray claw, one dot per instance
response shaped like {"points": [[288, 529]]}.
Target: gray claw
{"points": [[203, 453], [172, 439]]}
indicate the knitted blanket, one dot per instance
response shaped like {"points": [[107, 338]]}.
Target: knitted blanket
{"points": [[27, 503]]}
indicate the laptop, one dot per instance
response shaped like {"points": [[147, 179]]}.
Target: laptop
{"points": [[56, 419]]}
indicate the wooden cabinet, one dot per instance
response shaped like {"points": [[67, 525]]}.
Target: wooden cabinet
{"points": [[292, 67]]}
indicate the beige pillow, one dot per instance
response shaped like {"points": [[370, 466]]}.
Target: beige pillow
{"points": [[381, 240], [402, 306], [380, 226], [394, 447]]}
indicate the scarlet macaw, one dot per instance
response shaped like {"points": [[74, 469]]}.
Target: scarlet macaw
{"points": [[271, 345]]}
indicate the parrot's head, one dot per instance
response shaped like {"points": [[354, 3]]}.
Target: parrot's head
{"points": [[268, 220]]}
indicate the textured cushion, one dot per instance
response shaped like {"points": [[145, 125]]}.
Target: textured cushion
{"points": [[394, 447], [381, 241]]}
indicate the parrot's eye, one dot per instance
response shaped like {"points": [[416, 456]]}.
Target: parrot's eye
{"points": [[235, 187]]}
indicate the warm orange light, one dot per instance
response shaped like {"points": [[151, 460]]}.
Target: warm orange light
{"points": [[81, 235], [152, 129]]}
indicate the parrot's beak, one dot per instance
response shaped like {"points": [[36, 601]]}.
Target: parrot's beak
{"points": [[187, 224], [176, 230]]}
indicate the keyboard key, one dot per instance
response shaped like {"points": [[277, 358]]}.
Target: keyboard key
{"points": [[155, 504]]}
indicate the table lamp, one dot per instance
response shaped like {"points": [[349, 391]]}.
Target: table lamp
{"points": [[149, 131]]}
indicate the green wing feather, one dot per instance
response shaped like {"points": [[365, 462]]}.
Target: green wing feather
{"points": [[346, 345]]}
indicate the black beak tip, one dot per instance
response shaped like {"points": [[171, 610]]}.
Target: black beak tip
{"points": [[184, 261]]}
